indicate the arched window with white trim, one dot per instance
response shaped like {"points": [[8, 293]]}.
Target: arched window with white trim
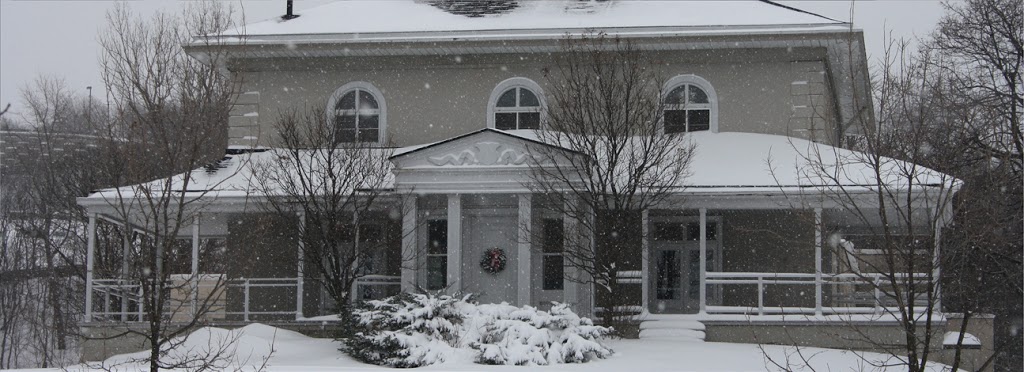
{"points": [[358, 113], [516, 103], [691, 105]]}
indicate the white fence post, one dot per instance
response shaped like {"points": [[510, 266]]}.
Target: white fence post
{"points": [[245, 308], [760, 295], [645, 257]]}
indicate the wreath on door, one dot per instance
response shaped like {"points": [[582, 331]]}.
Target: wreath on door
{"points": [[493, 261]]}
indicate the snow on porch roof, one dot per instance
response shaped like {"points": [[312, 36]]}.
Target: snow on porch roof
{"points": [[732, 162], [409, 16], [725, 163]]}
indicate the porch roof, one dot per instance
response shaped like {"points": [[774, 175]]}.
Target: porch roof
{"points": [[724, 163]]}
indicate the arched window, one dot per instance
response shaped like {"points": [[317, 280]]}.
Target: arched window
{"points": [[690, 105], [357, 111], [516, 103]]}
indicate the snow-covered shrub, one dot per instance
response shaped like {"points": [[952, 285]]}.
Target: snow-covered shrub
{"points": [[408, 330], [412, 330]]}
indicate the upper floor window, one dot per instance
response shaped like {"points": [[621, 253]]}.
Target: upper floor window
{"points": [[516, 103], [690, 105], [357, 111]]}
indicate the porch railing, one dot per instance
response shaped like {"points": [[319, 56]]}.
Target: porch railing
{"points": [[232, 299], [864, 293]]}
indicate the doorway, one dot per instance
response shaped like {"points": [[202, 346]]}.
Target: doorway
{"points": [[675, 263]]}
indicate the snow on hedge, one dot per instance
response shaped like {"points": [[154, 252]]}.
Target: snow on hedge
{"points": [[412, 330]]}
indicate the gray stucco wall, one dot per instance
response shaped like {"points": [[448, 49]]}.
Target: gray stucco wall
{"points": [[431, 98]]}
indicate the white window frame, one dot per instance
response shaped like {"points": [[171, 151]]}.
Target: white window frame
{"points": [[381, 111], [703, 84], [516, 82]]}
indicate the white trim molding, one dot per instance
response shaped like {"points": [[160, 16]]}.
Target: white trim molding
{"points": [[701, 83], [381, 111], [516, 82]]}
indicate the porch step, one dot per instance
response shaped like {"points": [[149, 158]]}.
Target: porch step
{"points": [[667, 328]]}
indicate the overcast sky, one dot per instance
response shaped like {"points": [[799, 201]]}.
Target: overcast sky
{"points": [[58, 38]]}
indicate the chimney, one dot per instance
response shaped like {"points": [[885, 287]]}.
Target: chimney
{"points": [[288, 12]]}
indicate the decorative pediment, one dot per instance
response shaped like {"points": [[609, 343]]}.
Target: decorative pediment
{"points": [[482, 153]]}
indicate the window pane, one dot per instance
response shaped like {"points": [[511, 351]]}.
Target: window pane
{"points": [[368, 135], [529, 120], [668, 231], [712, 231], [697, 95], [344, 135], [675, 121], [694, 275], [675, 97], [527, 98], [553, 272], [507, 99], [693, 231], [699, 119], [505, 121], [345, 121], [347, 101], [366, 101], [437, 272], [369, 121], [553, 235], [437, 237], [668, 281]]}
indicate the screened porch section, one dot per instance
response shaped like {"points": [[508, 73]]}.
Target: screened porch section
{"points": [[783, 261], [223, 267]]}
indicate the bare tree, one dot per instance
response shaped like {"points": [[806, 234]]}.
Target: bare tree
{"points": [[335, 197], [170, 114], [606, 111], [43, 174]]}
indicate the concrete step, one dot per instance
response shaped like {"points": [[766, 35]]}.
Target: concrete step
{"points": [[672, 324], [676, 334]]}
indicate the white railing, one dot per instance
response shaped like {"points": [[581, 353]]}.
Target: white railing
{"points": [[878, 297], [122, 299]]}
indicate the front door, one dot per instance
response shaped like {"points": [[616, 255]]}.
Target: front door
{"points": [[486, 229], [675, 263]]}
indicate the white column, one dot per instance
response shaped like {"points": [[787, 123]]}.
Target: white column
{"points": [[90, 257], [125, 253], [945, 213], [572, 242], [817, 261], [645, 257], [410, 251], [195, 265], [454, 243], [703, 260], [300, 268], [523, 257]]}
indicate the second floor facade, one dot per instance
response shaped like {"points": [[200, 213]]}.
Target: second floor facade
{"points": [[405, 88]]}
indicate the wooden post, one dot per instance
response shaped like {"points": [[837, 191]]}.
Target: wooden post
{"points": [[90, 258], [703, 260], [454, 243], [817, 261], [523, 256]]}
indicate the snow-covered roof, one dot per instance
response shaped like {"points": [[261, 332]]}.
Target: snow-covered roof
{"points": [[724, 163], [356, 17]]}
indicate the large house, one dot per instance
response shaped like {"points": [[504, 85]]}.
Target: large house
{"points": [[749, 243]]}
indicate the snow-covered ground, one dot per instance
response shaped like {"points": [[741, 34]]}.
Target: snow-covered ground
{"points": [[295, 352]]}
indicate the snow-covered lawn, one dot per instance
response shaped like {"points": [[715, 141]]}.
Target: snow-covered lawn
{"points": [[294, 352]]}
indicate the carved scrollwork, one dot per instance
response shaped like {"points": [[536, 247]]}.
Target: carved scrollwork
{"points": [[482, 153]]}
